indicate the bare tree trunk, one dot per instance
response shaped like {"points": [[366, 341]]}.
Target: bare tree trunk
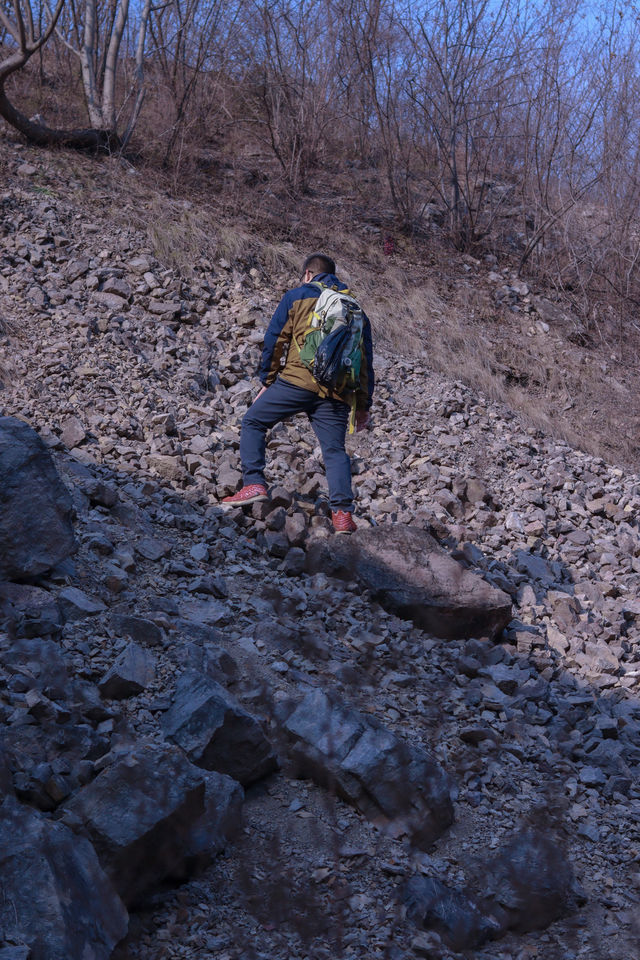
{"points": [[98, 52], [108, 91], [43, 136], [139, 73], [86, 54]]}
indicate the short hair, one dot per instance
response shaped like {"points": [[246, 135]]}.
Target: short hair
{"points": [[319, 263]]}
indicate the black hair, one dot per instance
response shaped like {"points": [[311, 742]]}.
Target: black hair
{"points": [[319, 263]]}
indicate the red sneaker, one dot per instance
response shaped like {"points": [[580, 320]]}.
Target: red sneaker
{"points": [[342, 521], [249, 494]]}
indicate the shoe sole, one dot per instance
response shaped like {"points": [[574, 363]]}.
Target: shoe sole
{"points": [[344, 531], [243, 503]]}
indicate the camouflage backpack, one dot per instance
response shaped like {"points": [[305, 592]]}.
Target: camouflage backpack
{"points": [[331, 346]]}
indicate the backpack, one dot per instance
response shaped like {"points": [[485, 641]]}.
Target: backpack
{"points": [[332, 345]]}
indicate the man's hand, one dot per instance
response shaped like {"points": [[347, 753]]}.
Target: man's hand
{"points": [[363, 420], [258, 396]]}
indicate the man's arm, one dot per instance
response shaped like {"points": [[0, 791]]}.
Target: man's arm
{"points": [[276, 341]]}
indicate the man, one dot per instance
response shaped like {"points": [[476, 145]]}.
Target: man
{"points": [[289, 388]]}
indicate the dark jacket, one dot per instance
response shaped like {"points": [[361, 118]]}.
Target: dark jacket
{"points": [[280, 354]]}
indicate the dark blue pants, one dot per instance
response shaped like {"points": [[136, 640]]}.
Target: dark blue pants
{"points": [[329, 420]]}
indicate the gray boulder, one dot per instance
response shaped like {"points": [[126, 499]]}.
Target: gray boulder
{"points": [[530, 883], [139, 813], [216, 732], [139, 629], [35, 509], [410, 574], [131, 672], [77, 605], [387, 778], [449, 912], [527, 886], [220, 822], [54, 895]]}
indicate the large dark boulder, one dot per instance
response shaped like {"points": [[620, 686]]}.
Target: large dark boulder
{"points": [[410, 574], [54, 895], [389, 779], [35, 509], [449, 912], [530, 882], [133, 670], [141, 630], [216, 732], [139, 813], [528, 885], [220, 822]]}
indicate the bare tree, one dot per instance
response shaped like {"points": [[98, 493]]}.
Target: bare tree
{"points": [[93, 31], [378, 86], [462, 92], [190, 44], [98, 51], [559, 154], [587, 242], [26, 36], [293, 95]]}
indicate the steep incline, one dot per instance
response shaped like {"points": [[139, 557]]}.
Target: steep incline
{"points": [[137, 376]]}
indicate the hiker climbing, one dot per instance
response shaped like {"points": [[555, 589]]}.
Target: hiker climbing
{"points": [[317, 359]]}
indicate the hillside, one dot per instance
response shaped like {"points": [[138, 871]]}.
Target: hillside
{"points": [[131, 325], [516, 343]]}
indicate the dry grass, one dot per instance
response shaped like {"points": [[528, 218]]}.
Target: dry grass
{"points": [[279, 258], [178, 237], [181, 235], [552, 384]]}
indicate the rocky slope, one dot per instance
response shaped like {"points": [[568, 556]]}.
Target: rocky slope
{"points": [[136, 377]]}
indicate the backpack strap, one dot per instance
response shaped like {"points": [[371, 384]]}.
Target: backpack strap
{"points": [[352, 413], [321, 286], [325, 286]]}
